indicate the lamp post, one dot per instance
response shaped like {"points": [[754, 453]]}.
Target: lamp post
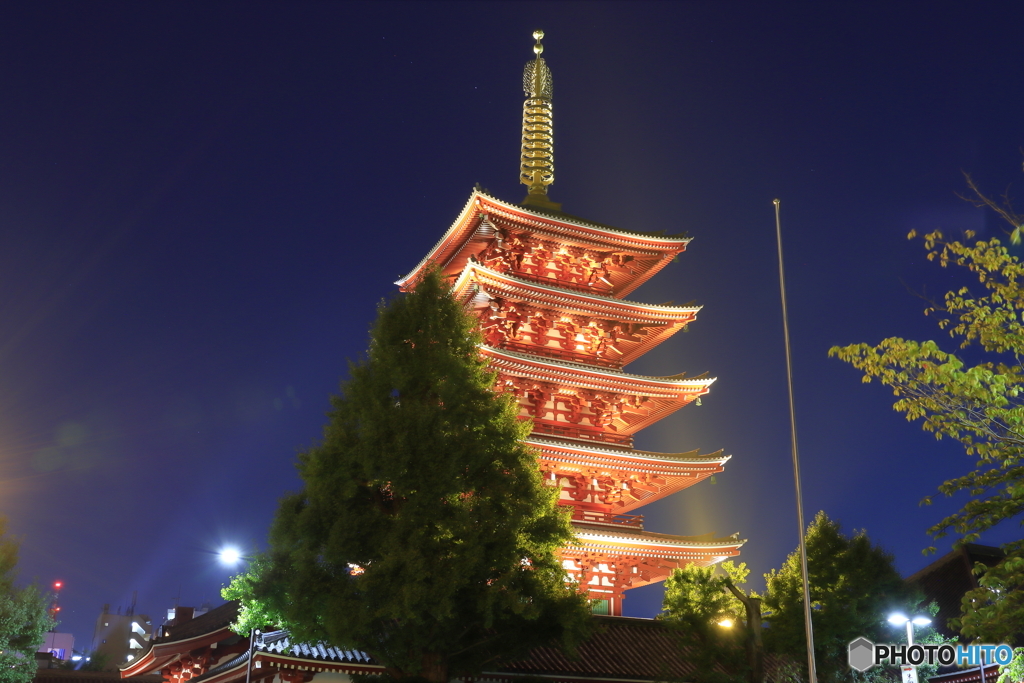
{"points": [[812, 673], [231, 556], [899, 619]]}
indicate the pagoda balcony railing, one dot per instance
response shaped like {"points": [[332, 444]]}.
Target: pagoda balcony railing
{"points": [[574, 432], [598, 517], [593, 288], [559, 354]]}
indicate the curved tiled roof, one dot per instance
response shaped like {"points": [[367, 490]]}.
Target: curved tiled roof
{"points": [[619, 650], [74, 676], [611, 373], [570, 224], [688, 457], [602, 533], [283, 645], [571, 296]]}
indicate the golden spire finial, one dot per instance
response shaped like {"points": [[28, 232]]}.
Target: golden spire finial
{"points": [[537, 166]]}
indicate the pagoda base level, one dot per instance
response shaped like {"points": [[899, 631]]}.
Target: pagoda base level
{"points": [[608, 577], [609, 606]]}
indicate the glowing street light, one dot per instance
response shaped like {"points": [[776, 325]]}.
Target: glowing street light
{"points": [[898, 619], [230, 556]]}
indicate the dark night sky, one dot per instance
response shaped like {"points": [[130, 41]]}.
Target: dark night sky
{"points": [[201, 205]]}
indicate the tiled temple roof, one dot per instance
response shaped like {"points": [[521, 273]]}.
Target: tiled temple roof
{"points": [[694, 457], [612, 374], [620, 649], [567, 227], [73, 676], [279, 642]]}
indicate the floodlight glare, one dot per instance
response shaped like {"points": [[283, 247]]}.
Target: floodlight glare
{"points": [[922, 621], [898, 619]]}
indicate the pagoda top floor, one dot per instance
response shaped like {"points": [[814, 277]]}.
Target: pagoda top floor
{"points": [[549, 246]]}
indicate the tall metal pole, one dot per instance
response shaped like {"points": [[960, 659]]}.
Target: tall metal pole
{"points": [[248, 664], [812, 675]]}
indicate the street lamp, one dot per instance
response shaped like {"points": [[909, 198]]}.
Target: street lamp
{"points": [[898, 619], [230, 556]]}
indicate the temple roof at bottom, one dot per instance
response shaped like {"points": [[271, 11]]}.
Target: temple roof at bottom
{"points": [[619, 650]]}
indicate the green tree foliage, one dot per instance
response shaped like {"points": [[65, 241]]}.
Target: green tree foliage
{"points": [[994, 612], [854, 587], [24, 617], [974, 395], [424, 535], [710, 619]]}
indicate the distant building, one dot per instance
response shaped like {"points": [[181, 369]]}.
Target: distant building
{"points": [[121, 637], [179, 615], [947, 579], [60, 645]]}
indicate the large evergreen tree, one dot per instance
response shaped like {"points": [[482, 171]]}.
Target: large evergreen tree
{"points": [[24, 617], [424, 535]]}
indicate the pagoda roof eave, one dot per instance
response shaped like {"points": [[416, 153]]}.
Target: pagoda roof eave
{"points": [[464, 226], [602, 534], [663, 313], [676, 458], [669, 382]]}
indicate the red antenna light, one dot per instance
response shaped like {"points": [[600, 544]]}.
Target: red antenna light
{"points": [[54, 608]]}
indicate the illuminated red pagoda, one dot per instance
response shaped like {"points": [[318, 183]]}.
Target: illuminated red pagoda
{"points": [[549, 291]]}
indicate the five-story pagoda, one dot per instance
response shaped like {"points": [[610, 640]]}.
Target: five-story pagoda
{"points": [[549, 291]]}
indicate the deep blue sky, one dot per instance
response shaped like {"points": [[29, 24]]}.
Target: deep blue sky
{"points": [[202, 203]]}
